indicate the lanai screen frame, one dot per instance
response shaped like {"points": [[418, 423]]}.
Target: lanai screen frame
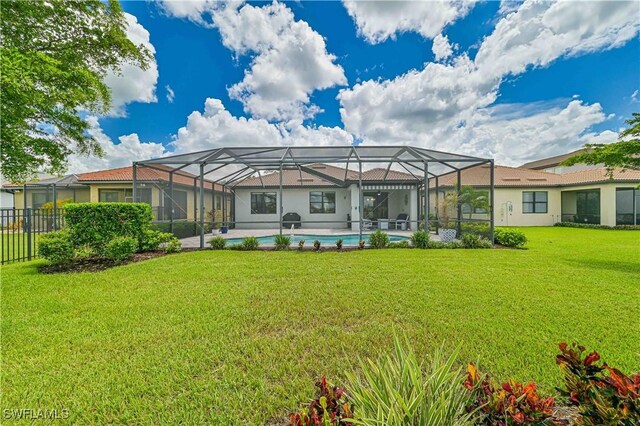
{"points": [[255, 159]]}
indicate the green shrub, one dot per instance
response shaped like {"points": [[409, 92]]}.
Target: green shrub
{"points": [[238, 246], [155, 240], [339, 244], [316, 245], [473, 241], [300, 244], [510, 238], [56, 247], [173, 245], [594, 226], [96, 224], [477, 228], [120, 248], [398, 389], [250, 243], [399, 244], [420, 239], [361, 244], [218, 243], [282, 242], [378, 239]]}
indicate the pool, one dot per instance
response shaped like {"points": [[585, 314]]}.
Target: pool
{"points": [[326, 240]]}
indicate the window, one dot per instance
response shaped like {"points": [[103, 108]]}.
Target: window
{"points": [[627, 206], [322, 202], [39, 198], [534, 202], [177, 206], [263, 202], [111, 195], [124, 195]]}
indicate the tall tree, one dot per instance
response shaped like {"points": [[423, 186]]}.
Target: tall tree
{"points": [[54, 56], [624, 154]]}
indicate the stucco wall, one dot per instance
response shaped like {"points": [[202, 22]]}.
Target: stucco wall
{"points": [[295, 201]]}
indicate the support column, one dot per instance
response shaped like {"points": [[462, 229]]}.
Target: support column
{"points": [[172, 203], [201, 206], [281, 209], [135, 180], [360, 198], [426, 196], [24, 196], [437, 207], [459, 206], [492, 209], [55, 208]]}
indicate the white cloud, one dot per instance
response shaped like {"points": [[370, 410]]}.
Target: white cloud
{"points": [[634, 97], [441, 48], [379, 20], [133, 84], [216, 127], [122, 154], [540, 32], [290, 61], [194, 10], [439, 105], [170, 94], [502, 133]]}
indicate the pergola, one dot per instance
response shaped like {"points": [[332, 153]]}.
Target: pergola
{"points": [[233, 164]]}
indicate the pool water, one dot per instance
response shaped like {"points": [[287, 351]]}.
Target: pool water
{"points": [[326, 240]]}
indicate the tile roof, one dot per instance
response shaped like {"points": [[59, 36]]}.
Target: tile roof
{"points": [[511, 177], [302, 178], [64, 181], [125, 174]]}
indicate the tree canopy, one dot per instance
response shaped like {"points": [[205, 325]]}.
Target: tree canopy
{"points": [[624, 154], [54, 57]]}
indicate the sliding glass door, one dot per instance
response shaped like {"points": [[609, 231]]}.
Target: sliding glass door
{"points": [[627, 206]]}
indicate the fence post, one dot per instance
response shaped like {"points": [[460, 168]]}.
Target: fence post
{"points": [[26, 227]]}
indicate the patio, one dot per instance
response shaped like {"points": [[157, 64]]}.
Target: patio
{"points": [[333, 190], [194, 242]]}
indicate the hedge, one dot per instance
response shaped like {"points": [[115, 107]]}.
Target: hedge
{"points": [[96, 224], [594, 226]]}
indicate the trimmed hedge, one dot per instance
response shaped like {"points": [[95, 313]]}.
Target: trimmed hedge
{"points": [[96, 224], [510, 238], [593, 226], [56, 247], [120, 248]]}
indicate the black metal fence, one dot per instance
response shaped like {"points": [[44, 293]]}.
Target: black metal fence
{"points": [[20, 228]]}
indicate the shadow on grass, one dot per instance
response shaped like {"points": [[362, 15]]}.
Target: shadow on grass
{"points": [[610, 265]]}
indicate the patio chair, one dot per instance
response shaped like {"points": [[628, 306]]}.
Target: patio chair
{"points": [[402, 221], [367, 224]]}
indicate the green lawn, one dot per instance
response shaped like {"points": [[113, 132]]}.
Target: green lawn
{"points": [[239, 337]]}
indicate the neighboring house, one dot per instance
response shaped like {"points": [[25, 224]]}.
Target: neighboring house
{"points": [[526, 197], [326, 196], [116, 185], [553, 164]]}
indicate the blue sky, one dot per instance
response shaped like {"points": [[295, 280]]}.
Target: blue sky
{"points": [[377, 78]]}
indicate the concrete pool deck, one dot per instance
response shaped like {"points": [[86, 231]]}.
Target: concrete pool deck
{"points": [[194, 242]]}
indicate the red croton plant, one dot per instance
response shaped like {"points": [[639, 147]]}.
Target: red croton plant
{"points": [[329, 408], [511, 403], [603, 395]]}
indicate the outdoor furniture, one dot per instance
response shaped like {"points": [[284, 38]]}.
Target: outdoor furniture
{"points": [[383, 223], [367, 224], [402, 221], [291, 219]]}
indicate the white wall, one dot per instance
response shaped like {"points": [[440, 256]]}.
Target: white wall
{"points": [[515, 217], [295, 201]]}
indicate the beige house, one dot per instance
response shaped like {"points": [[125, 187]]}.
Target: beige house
{"points": [[116, 185], [526, 197]]}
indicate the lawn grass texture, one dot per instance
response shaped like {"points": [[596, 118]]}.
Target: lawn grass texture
{"points": [[230, 337]]}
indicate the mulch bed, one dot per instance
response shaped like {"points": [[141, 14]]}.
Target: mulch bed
{"points": [[95, 264]]}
